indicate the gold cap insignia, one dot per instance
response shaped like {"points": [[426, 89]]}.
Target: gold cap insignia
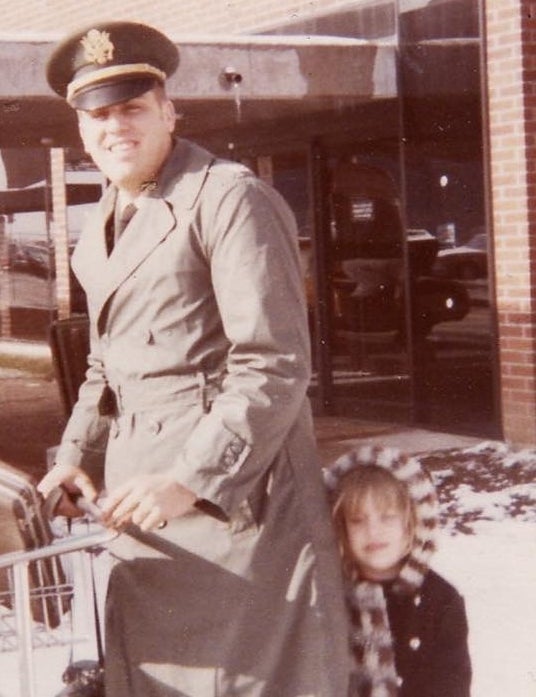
{"points": [[98, 48]]}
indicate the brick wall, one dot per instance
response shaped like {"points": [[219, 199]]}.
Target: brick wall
{"points": [[511, 58], [60, 235], [172, 16], [5, 317]]}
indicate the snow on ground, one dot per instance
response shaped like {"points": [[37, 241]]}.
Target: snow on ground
{"points": [[487, 548], [486, 482], [495, 570]]}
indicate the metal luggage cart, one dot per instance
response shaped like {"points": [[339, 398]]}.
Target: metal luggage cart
{"points": [[19, 631]]}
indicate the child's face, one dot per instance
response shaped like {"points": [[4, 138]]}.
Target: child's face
{"points": [[378, 538]]}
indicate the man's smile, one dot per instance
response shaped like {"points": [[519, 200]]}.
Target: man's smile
{"points": [[122, 146]]}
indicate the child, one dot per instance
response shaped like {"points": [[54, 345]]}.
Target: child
{"points": [[409, 627]]}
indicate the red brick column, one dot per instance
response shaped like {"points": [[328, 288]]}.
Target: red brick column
{"points": [[511, 73], [60, 232], [5, 300]]}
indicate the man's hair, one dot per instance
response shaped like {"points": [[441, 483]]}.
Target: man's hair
{"points": [[160, 92]]}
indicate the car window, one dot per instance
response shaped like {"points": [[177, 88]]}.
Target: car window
{"points": [[478, 242]]}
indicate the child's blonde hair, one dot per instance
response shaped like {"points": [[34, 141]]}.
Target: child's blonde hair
{"points": [[386, 490]]}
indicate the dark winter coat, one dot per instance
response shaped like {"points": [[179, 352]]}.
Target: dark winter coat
{"points": [[429, 630]]}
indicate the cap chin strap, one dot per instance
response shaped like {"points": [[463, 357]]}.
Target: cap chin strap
{"points": [[113, 71]]}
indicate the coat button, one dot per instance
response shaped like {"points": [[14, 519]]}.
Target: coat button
{"points": [[414, 643], [399, 681], [154, 427], [417, 600], [147, 336]]}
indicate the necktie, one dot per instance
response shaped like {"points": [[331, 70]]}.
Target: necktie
{"points": [[116, 225], [124, 219]]}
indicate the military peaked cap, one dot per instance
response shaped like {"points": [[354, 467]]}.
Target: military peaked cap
{"points": [[108, 63]]}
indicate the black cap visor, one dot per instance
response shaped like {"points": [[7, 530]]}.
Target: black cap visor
{"points": [[103, 94]]}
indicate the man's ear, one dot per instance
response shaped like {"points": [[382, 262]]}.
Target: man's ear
{"points": [[80, 121], [170, 115]]}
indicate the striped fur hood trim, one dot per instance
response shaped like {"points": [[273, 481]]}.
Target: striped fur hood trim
{"points": [[408, 470]]}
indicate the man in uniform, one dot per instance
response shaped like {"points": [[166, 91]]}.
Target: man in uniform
{"points": [[225, 579]]}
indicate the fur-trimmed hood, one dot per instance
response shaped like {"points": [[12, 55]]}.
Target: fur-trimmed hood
{"points": [[408, 470]]}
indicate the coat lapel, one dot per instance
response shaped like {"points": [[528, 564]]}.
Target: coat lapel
{"points": [[152, 223], [182, 180], [90, 259]]}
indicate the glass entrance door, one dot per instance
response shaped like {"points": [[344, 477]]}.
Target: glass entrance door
{"points": [[389, 189], [444, 172], [361, 338]]}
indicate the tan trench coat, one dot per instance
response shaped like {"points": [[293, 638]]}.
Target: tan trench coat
{"points": [[199, 327]]}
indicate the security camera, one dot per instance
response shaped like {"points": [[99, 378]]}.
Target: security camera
{"points": [[231, 76]]}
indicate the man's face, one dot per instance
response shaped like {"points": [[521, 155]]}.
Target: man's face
{"points": [[129, 141]]}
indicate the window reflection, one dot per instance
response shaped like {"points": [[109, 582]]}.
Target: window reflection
{"points": [[28, 279]]}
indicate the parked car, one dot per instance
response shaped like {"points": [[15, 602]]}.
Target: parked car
{"points": [[40, 259], [466, 262], [368, 292], [17, 258], [370, 270]]}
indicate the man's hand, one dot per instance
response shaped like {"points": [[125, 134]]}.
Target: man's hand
{"points": [[148, 501], [74, 481]]}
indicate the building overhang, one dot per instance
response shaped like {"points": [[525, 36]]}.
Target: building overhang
{"points": [[245, 85], [219, 83]]}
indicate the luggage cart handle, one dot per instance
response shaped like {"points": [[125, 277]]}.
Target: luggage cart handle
{"points": [[53, 498], [18, 564], [59, 547]]}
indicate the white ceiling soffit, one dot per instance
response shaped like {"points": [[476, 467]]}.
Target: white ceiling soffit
{"points": [[265, 67]]}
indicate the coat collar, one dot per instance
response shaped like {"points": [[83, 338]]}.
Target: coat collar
{"points": [[183, 174], [173, 195]]}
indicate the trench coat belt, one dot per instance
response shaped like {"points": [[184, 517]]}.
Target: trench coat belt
{"points": [[140, 395]]}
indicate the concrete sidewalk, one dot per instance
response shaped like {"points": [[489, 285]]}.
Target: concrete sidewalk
{"points": [[337, 434]]}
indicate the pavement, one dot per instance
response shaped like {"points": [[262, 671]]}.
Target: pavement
{"points": [[336, 435], [31, 413]]}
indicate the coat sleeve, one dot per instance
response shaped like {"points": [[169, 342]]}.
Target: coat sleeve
{"points": [[84, 439], [450, 667], [250, 238], [446, 669]]}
